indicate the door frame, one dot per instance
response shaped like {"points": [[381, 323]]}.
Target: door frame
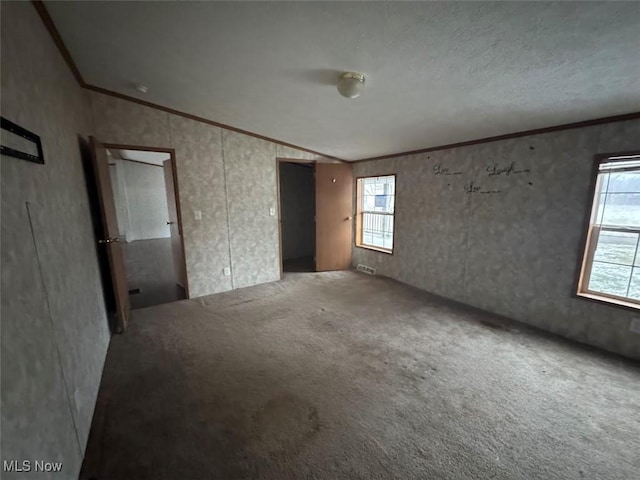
{"points": [[172, 157], [280, 160]]}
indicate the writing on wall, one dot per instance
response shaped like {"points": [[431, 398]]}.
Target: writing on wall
{"points": [[497, 169], [471, 187], [438, 169], [490, 174]]}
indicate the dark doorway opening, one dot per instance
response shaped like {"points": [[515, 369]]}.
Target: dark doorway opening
{"points": [[297, 216]]}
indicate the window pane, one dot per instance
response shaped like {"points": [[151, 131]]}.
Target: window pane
{"points": [[616, 247], [377, 230], [615, 264], [603, 182], [378, 194], [376, 216], [619, 200], [608, 278], [634, 288], [624, 182], [621, 209]]}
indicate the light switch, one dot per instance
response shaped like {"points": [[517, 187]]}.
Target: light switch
{"points": [[197, 215], [272, 212], [226, 271]]}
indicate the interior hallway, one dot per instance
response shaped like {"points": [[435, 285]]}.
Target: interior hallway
{"points": [[151, 272], [341, 375]]}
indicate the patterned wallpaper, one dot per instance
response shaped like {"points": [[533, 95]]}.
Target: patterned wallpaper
{"points": [[201, 186], [250, 168], [500, 226], [289, 152], [128, 123], [54, 326], [228, 176]]}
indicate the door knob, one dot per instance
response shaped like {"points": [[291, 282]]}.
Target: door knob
{"points": [[170, 223], [110, 240]]}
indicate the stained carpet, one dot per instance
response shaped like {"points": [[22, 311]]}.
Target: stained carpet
{"points": [[346, 376]]}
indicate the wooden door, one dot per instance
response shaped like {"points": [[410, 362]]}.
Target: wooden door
{"points": [[174, 224], [334, 216], [112, 240]]}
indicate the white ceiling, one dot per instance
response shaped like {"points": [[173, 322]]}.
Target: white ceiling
{"points": [[437, 73]]}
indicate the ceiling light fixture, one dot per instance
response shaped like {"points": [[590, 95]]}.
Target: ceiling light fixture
{"points": [[141, 88], [351, 84]]}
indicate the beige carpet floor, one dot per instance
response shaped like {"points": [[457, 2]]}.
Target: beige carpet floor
{"points": [[346, 376]]}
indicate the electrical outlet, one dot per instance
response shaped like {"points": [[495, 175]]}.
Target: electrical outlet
{"points": [[197, 215], [226, 271], [634, 325]]}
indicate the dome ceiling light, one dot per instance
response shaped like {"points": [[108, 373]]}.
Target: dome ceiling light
{"points": [[351, 84], [140, 87]]}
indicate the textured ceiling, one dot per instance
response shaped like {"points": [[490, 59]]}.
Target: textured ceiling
{"points": [[437, 73]]}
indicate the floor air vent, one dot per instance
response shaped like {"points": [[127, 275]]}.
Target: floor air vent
{"points": [[366, 269]]}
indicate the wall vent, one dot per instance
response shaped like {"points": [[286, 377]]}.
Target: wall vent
{"points": [[366, 269]]}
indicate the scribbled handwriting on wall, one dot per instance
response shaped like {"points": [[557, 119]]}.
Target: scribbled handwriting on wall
{"points": [[438, 169], [471, 187], [497, 169]]}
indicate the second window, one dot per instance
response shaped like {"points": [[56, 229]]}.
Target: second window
{"points": [[376, 211]]}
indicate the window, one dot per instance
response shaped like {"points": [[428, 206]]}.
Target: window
{"points": [[375, 209], [611, 266]]}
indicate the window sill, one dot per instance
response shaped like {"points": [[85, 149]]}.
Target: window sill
{"points": [[375, 249], [618, 302]]}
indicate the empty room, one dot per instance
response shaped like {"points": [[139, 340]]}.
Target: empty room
{"points": [[320, 240]]}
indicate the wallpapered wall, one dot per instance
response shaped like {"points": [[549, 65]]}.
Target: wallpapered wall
{"points": [[297, 195], [54, 326], [228, 176], [508, 243]]}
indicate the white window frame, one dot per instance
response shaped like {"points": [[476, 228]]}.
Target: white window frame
{"points": [[360, 215], [593, 231]]}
